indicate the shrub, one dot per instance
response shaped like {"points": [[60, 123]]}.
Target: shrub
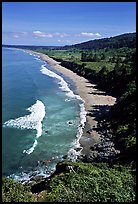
{"points": [[91, 183], [13, 191]]}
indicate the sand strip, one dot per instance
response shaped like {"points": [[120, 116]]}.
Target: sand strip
{"points": [[90, 94]]}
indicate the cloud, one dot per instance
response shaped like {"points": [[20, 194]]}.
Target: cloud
{"points": [[61, 35], [63, 41], [16, 36], [49, 35], [36, 34], [40, 34], [86, 34], [97, 34]]}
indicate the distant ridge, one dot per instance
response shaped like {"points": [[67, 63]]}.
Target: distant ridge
{"points": [[30, 46], [124, 40]]}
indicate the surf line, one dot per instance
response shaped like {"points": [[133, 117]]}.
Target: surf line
{"points": [[72, 154], [31, 121]]}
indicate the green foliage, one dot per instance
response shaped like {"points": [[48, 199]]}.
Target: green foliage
{"points": [[13, 191], [110, 63], [124, 119], [120, 41], [114, 70], [91, 183]]}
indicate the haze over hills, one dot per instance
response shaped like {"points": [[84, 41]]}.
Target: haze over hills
{"points": [[123, 40]]}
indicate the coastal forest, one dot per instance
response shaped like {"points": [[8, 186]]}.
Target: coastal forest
{"points": [[110, 63]]}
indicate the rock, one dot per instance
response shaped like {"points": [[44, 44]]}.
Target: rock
{"points": [[33, 174], [70, 169], [69, 122], [60, 168], [92, 148], [37, 179], [45, 162], [88, 131], [65, 156], [78, 149], [107, 139]]}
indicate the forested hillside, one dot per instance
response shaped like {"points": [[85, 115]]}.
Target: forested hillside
{"points": [[113, 69], [124, 40], [111, 65]]}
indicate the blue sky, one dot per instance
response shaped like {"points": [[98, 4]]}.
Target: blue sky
{"points": [[64, 23]]}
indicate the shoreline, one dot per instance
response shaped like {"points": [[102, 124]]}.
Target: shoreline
{"points": [[92, 97]]}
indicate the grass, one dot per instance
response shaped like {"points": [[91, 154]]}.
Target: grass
{"points": [[98, 65], [75, 56]]}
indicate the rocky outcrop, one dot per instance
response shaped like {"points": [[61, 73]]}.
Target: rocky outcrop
{"points": [[102, 152]]}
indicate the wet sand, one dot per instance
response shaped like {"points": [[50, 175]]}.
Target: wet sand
{"points": [[92, 97]]}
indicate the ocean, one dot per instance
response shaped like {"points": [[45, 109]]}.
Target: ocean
{"points": [[42, 116]]}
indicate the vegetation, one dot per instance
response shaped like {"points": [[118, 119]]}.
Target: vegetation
{"points": [[125, 40], [91, 183], [86, 182], [113, 71], [13, 191], [111, 64]]}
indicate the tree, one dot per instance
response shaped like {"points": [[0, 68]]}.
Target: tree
{"points": [[102, 56], [83, 57]]}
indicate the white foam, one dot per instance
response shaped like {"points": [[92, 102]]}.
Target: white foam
{"points": [[31, 121], [29, 151], [37, 58], [82, 114], [10, 48], [67, 100], [73, 153], [32, 54], [62, 83], [39, 170]]}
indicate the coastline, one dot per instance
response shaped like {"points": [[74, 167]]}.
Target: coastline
{"points": [[92, 98]]}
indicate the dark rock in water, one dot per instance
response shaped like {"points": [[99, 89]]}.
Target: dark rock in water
{"points": [[45, 162], [65, 156], [69, 122], [33, 174], [78, 149], [46, 131]]}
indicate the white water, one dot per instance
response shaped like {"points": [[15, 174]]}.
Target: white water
{"points": [[31, 121], [72, 153], [34, 120]]}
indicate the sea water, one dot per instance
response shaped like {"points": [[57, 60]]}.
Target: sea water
{"points": [[42, 116]]}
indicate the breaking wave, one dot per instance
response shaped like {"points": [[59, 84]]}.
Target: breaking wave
{"points": [[31, 121], [75, 151]]}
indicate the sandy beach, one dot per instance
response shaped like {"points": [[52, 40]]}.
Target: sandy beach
{"points": [[92, 97]]}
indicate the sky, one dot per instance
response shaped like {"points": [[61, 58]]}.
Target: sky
{"points": [[65, 23]]}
